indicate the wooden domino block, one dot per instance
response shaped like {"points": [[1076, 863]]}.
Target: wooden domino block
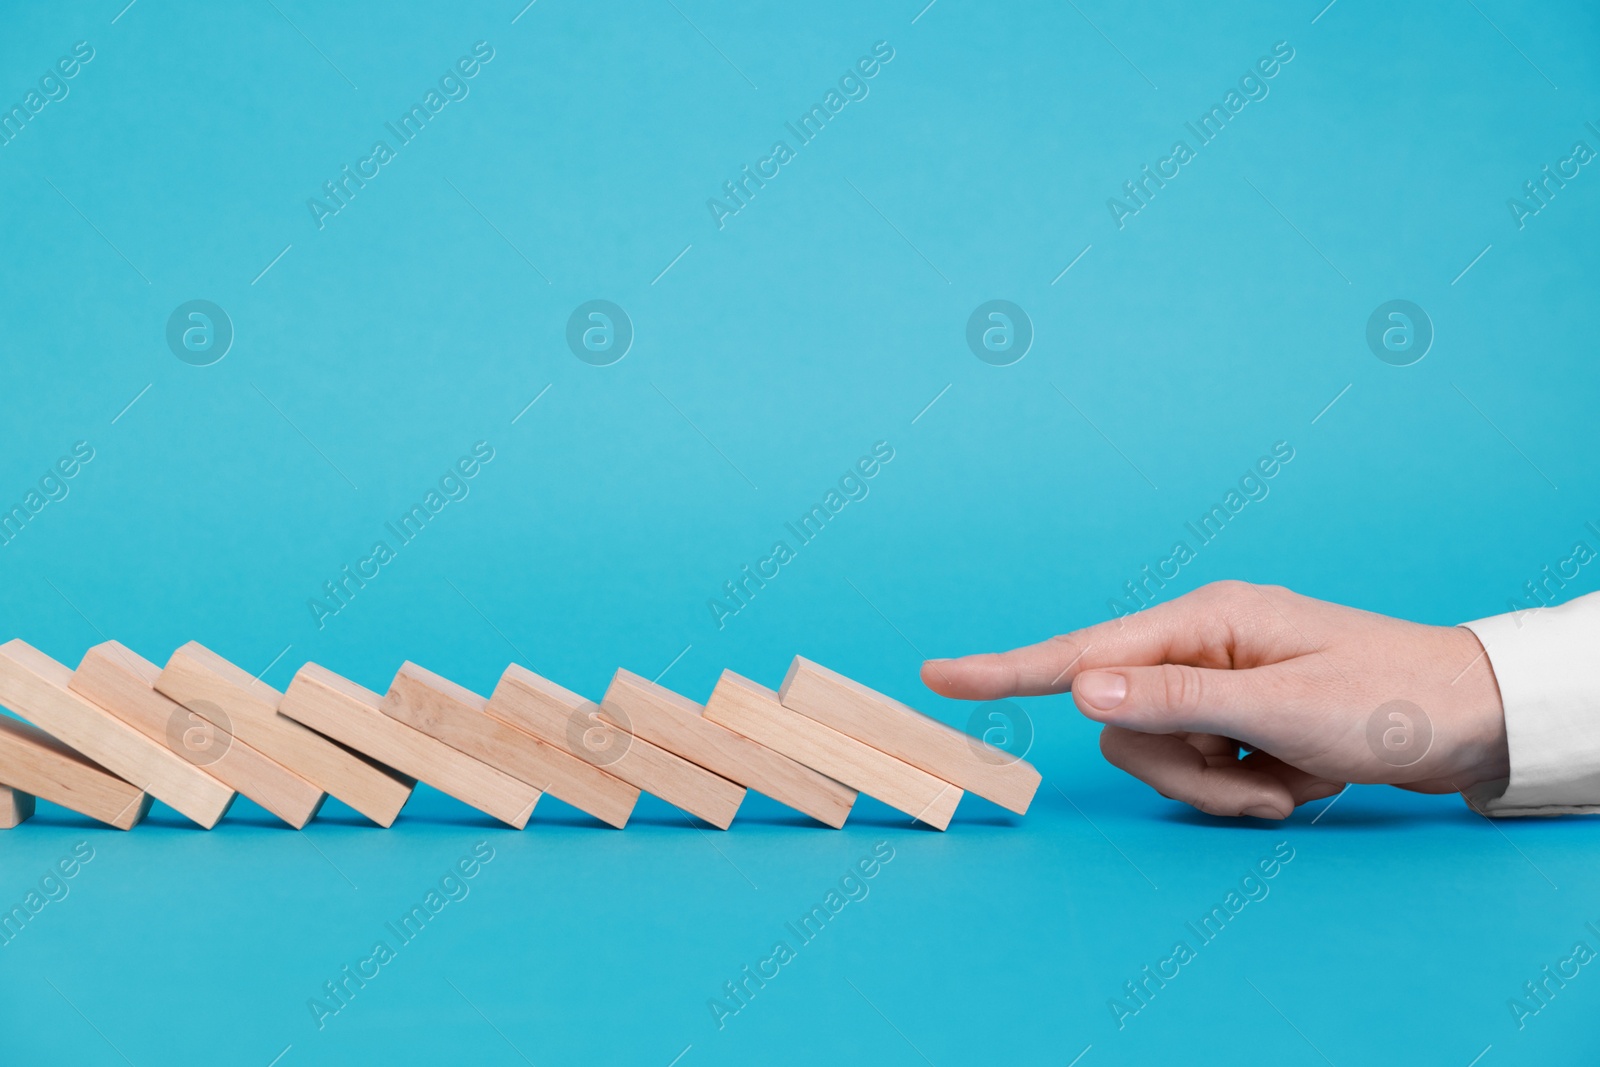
{"points": [[227, 696], [754, 711], [34, 761], [677, 724], [38, 689], [888, 725], [123, 683], [456, 715], [15, 807], [566, 720], [352, 715]]}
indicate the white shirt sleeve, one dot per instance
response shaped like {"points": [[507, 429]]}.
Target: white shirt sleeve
{"points": [[1547, 662]]}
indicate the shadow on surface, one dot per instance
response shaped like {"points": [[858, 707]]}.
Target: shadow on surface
{"points": [[463, 819], [577, 821], [884, 822], [1354, 818], [802, 821]]}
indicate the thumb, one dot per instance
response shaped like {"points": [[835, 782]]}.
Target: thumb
{"points": [[1249, 705]]}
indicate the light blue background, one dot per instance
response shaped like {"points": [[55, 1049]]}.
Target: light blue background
{"points": [[813, 325]]}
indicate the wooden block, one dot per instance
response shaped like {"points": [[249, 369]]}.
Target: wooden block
{"points": [[754, 711], [33, 761], [566, 720], [15, 807], [350, 714], [455, 715], [677, 724], [229, 697], [123, 683], [38, 689], [888, 725]]}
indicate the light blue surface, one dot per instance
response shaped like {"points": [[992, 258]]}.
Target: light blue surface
{"points": [[820, 319]]}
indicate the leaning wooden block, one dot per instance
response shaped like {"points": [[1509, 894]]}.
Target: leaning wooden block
{"points": [[568, 721], [456, 715], [123, 683], [15, 807], [886, 724], [227, 696], [350, 714], [754, 711], [38, 689], [33, 761], [678, 725]]}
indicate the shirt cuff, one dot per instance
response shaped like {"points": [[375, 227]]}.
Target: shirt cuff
{"points": [[1547, 664]]}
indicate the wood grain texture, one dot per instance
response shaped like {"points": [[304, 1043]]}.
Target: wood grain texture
{"points": [[350, 714], [755, 711], [562, 718], [42, 690], [457, 716], [905, 733], [228, 697], [123, 683], [34, 762], [16, 807], [677, 724]]}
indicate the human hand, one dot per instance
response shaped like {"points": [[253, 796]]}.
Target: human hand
{"points": [[1309, 687]]}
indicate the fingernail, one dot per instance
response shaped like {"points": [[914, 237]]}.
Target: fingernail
{"points": [[1263, 811], [1101, 691]]}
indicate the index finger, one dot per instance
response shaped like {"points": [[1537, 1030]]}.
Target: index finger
{"points": [[1194, 629]]}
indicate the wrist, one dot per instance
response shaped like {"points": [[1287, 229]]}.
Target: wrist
{"points": [[1477, 713]]}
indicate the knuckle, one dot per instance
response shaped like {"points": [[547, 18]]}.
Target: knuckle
{"points": [[1228, 589], [1067, 652], [1207, 800], [1277, 594], [1180, 688], [1210, 796], [1069, 644]]}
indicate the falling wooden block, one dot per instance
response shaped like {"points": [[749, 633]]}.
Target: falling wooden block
{"points": [[677, 724], [352, 715], [123, 683], [888, 725], [566, 720], [38, 688], [228, 697], [456, 715], [754, 711], [33, 761], [15, 807]]}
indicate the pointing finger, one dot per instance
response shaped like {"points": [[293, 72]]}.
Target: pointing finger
{"points": [[1197, 629]]}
